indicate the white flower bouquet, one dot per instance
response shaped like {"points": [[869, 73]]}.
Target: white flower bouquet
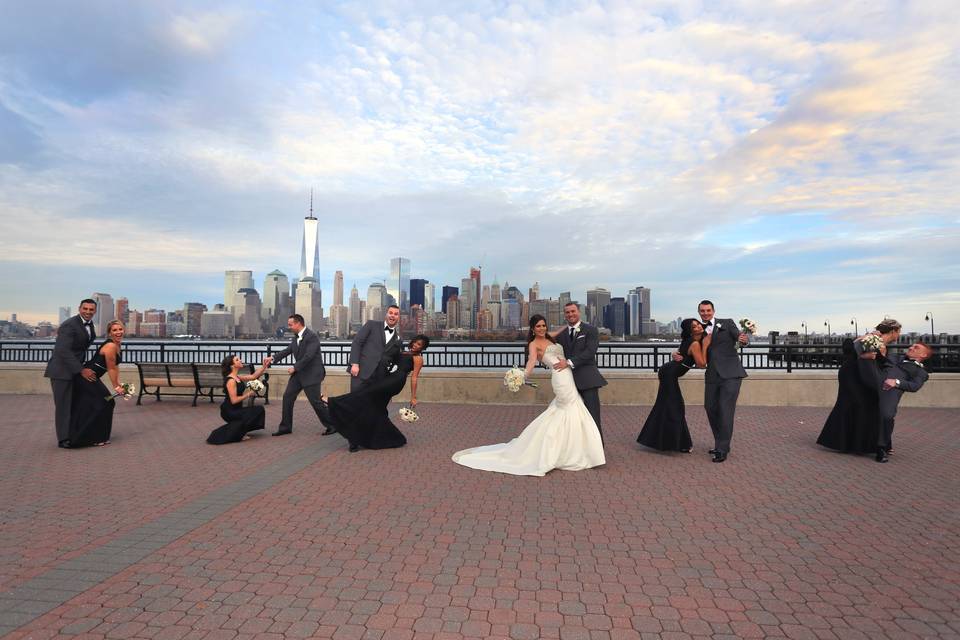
{"points": [[128, 390], [408, 415], [748, 326], [873, 343], [256, 386], [515, 378]]}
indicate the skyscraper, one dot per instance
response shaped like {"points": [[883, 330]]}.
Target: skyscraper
{"points": [[276, 296], [193, 317], [309, 304], [615, 316], [233, 281], [495, 291], [429, 297], [647, 326], [104, 314], [356, 310], [338, 288], [633, 304], [398, 285], [417, 287], [377, 301], [64, 314], [445, 295], [597, 300], [122, 312], [339, 315], [477, 290], [534, 293], [468, 302], [310, 248]]}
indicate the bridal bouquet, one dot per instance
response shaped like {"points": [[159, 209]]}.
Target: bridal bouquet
{"points": [[408, 415], [873, 343], [256, 386], [514, 379], [128, 390]]}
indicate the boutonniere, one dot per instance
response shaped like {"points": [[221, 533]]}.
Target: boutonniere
{"points": [[718, 326]]}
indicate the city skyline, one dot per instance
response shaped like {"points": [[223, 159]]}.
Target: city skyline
{"points": [[789, 168]]}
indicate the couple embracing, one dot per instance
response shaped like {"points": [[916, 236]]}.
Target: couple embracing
{"points": [[567, 434]]}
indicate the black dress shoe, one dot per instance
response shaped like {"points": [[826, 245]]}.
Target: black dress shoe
{"points": [[64, 444], [282, 432], [719, 456], [713, 452], [328, 431], [882, 455], [354, 448]]}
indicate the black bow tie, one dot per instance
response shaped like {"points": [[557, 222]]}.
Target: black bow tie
{"points": [[88, 324], [388, 329]]}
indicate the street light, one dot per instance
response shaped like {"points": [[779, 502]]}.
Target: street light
{"points": [[804, 325], [856, 327], [930, 318], [826, 323]]}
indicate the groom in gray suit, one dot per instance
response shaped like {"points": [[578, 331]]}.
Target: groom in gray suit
{"points": [[580, 341], [375, 349], [723, 377], [74, 336]]}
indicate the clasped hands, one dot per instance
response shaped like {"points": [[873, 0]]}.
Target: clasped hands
{"points": [[269, 360]]}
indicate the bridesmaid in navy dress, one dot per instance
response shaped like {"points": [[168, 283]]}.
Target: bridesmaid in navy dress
{"points": [[240, 420], [91, 415], [666, 426], [362, 417]]}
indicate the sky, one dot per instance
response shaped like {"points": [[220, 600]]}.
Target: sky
{"points": [[795, 162]]}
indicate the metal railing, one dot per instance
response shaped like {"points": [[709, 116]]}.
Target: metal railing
{"points": [[477, 355]]}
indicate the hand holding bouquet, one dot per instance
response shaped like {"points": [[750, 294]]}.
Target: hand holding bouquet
{"points": [[747, 326], [256, 386], [873, 343], [127, 389], [515, 378]]}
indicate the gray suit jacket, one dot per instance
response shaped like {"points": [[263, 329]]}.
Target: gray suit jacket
{"points": [[582, 352], [371, 351], [69, 351], [309, 365], [723, 359], [911, 375]]}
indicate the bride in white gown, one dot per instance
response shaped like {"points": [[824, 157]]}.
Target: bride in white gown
{"points": [[564, 436]]}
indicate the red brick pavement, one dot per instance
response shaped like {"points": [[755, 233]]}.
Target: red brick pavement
{"points": [[783, 540]]}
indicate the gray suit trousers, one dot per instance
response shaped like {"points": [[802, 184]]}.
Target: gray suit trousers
{"points": [[720, 402], [591, 398], [62, 399], [290, 397]]}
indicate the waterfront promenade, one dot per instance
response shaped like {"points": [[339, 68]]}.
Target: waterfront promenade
{"points": [[159, 535]]}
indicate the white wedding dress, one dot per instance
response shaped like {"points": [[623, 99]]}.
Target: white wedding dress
{"points": [[564, 436]]}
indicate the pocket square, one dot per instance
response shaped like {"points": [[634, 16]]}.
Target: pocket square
{"points": [[580, 337]]}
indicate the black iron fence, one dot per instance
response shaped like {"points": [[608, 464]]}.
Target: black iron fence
{"points": [[477, 355]]}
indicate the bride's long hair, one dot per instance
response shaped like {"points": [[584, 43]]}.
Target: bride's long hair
{"points": [[534, 319]]}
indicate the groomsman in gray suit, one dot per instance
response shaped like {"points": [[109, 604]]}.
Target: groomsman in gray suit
{"points": [[74, 336], [723, 377], [305, 375], [580, 341], [375, 349]]}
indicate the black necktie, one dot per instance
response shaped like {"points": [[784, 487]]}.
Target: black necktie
{"points": [[572, 329]]}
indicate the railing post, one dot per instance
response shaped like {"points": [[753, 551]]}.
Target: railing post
{"points": [[789, 358]]}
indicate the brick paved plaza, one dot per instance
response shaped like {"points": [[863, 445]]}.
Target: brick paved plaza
{"points": [[159, 535]]}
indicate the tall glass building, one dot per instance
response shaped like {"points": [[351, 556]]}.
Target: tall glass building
{"points": [[399, 284], [310, 249]]}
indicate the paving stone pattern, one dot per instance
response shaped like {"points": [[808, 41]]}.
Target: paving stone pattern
{"points": [[159, 535]]}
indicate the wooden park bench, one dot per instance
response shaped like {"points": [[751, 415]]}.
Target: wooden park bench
{"points": [[186, 380]]}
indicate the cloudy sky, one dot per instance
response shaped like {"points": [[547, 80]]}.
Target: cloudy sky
{"points": [[794, 161]]}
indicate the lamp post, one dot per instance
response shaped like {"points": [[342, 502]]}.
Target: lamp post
{"points": [[856, 327], [826, 323], [804, 325], [930, 318]]}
